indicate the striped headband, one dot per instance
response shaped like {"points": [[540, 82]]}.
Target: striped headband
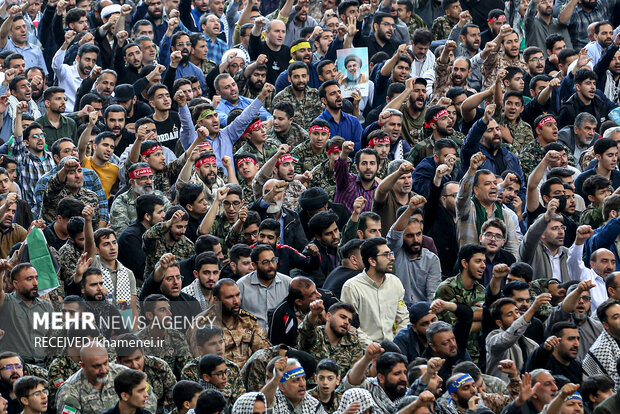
{"points": [[378, 140], [545, 120], [574, 396], [465, 379], [436, 118], [292, 373], [500, 18], [151, 150], [205, 160], [245, 159], [318, 128], [205, 145], [140, 172]]}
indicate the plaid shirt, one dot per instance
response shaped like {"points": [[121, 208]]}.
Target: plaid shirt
{"points": [[349, 187], [30, 168], [216, 50], [91, 182], [580, 20], [466, 218]]}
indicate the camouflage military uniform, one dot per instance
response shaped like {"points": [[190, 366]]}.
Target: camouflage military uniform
{"points": [[254, 372], [291, 194], [307, 109], [592, 216], [61, 368], [521, 133], [496, 62], [79, 395], [270, 147], [494, 385], [532, 154], [209, 192], [452, 290], [541, 286], [415, 23], [244, 90], [174, 350], [164, 179], [332, 405], [411, 126], [123, 210], [162, 380], [234, 387], [155, 246], [442, 26], [383, 168], [313, 339], [307, 159], [68, 257], [56, 191], [323, 176], [296, 135], [424, 147], [248, 195]]}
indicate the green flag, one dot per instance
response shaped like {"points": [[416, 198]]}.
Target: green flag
{"points": [[42, 261]]}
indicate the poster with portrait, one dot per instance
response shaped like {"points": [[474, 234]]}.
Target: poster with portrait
{"points": [[353, 64]]}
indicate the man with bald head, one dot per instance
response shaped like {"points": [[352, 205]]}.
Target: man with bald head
{"points": [[277, 53], [602, 264], [91, 389]]}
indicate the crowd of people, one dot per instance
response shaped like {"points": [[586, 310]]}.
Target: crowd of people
{"points": [[226, 232]]}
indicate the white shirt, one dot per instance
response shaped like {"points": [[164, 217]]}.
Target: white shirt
{"points": [[379, 307], [68, 78], [578, 271], [556, 267]]}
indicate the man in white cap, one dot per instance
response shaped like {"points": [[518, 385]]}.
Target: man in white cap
{"points": [[104, 34]]}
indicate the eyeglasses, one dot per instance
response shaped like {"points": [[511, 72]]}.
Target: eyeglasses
{"points": [[585, 298], [266, 262], [233, 204], [452, 195], [39, 393], [493, 236], [251, 234], [221, 374], [537, 59], [388, 25], [386, 254], [12, 367]]}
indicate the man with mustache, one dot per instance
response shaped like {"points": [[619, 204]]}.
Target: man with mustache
{"points": [[412, 103], [96, 376], [514, 130], [450, 75], [297, 21], [608, 71], [312, 152], [305, 100], [20, 91], [496, 60], [510, 341], [251, 80], [350, 186], [540, 24], [532, 154], [417, 268], [70, 76], [493, 237], [340, 123], [55, 125], [535, 62], [558, 353], [287, 388], [227, 88], [388, 388], [12, 369], [579, 18], [179, 62], [576, 308]]}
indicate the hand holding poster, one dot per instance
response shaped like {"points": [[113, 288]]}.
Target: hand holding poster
{"points": [[353, 64]]}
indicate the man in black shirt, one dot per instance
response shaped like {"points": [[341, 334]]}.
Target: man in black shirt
{"points": [[167, 122], [125, 96], [56, 232], [278, 54], [350, 266], [381, 40]]}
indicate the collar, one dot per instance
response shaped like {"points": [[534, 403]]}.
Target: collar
{"points": [[560, 252]]}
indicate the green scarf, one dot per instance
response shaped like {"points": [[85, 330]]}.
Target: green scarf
{"points": [[481, 213]]}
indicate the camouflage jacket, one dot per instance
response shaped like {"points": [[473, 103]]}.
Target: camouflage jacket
{"points": [[155, 246], [244, 90], [411, 126], [173, 349], [383, 168], [592, 216], [296, 135], [323, 176], [209, 192], [442, 26], [452, 290], [415, 23], [533, 153], [162, 380], [164, 179], [307, 109], [234, 387], [291, 194], [254, 372], [521, 133], [313, 339], [68, 257], [307, 159], [270, 147], [123, 210], [424, 147], [56, 191], [496, 62]]}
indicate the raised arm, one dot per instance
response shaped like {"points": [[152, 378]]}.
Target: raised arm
{"points": [[357, 373], [567, 12], [6, 25], [206, 224], [386, 69], [89, 237], [85, 137], [383, 189], [533, 194]]}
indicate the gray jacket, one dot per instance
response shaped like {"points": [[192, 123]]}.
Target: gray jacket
{"points": [[503, 344], [533, 252]]}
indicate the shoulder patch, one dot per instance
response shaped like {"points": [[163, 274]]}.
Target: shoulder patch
{"points": [[243, 312], [401, 303], [68, 410], [58, 382]]}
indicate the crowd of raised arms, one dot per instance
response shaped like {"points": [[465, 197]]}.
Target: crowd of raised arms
{"points": [[309, 206]]}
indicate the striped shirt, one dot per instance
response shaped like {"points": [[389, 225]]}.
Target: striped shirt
{"points": [[349, 187]]}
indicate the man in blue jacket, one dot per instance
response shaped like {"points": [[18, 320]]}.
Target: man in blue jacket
{"points": [[445, 151]]}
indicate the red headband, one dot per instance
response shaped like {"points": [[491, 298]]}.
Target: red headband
{"points": [[205, 146], [497, 18], [318, 128], [378, 140], [436, 118], [333, 148], [151, 150], [140, 172], [252, 127], [205, 160], [285, 158], [246, 159], [545, 120]]}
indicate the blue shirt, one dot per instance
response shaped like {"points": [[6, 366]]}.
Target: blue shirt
{"points": [[349, 127], [31, 53], [189, 69], [216, 50], [224, 108]]}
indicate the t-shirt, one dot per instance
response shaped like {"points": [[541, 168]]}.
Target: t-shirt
{"points": [[168, 130], [108, 174]]}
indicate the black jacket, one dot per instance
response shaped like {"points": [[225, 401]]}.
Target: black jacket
{"points": [[130, 252], [440, 226], [289, 259], [294, 234], [328, 262], [573, 106], [341, 211], [336, 279]]}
